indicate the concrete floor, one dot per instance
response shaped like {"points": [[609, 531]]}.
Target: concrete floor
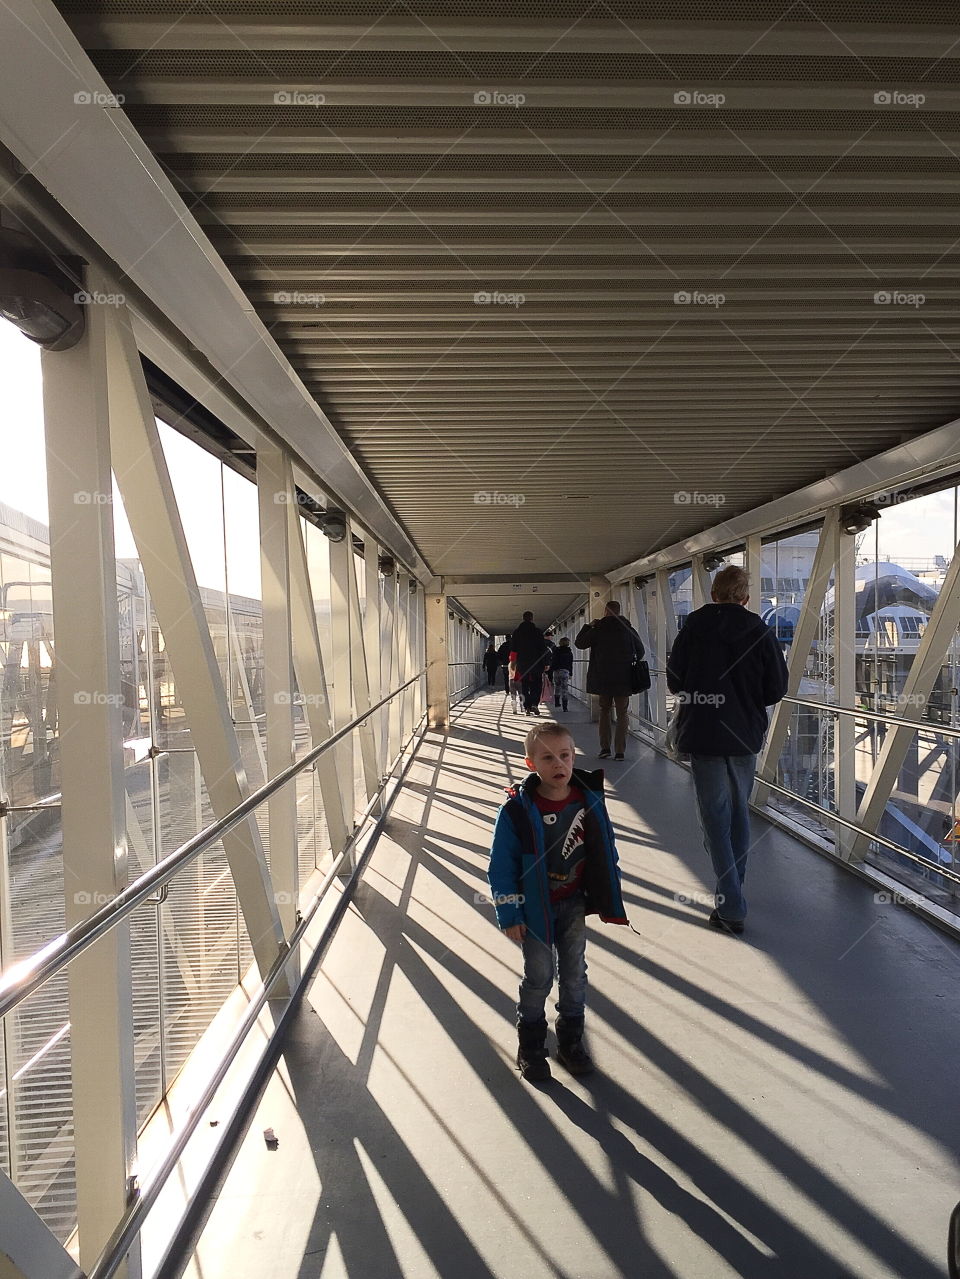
{"points": [[778, 1105]]}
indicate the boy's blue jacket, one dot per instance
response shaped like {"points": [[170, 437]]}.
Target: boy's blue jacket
{"points": [[518, 869]]}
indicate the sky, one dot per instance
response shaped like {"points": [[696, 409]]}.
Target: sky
{"points": [[913, 530]]}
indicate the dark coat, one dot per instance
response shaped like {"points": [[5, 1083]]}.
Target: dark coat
{"points": [[531, 648], [614, 647], [561, 659], [518, 864], [504, 651], [727, 667], [491, 660]]}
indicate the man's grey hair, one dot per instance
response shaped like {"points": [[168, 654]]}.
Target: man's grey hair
{"points": [[731, 585]]}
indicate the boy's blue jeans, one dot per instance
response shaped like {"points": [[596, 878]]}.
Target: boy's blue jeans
{"points": [[723, 784], [540, 967]]}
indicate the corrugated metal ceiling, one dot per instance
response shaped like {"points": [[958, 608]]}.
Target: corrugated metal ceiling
{"points": [[562, 331]]}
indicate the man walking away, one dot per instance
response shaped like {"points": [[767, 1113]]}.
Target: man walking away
{"points": [[491, 662], [532, 656], [503, 653], [614, 648], [726, 668]]}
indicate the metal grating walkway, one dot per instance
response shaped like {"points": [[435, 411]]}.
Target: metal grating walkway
{"points": [[778, 1106]]}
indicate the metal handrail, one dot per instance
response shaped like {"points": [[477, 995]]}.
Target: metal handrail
{"points": [[872, 836], [945, 729], [28, 976]]}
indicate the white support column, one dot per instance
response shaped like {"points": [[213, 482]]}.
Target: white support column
{"points": [[276, 492], [403, 652], [917, 687], [701, 583], [641, 625], [308, 661], [341, 555], [753, 563], [361, 681], [151, 509], [28, 1249], [86, 628], [371, 645], [803, 636], [663, 633], [438, 672], [845, 686], [393, 667]]}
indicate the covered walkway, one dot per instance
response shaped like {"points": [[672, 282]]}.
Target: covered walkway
{"points": [[779, 1105]]}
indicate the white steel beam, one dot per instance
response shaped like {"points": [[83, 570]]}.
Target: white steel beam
{"points": [[360, 676], [86, 624], [438, 655], [926, 666], [311, 677], [28, 1249], [151, 509], [372, 631], [275, 492], [804, 634], [75, 150], [390, 655], [341, 555], [701, 583], [845, 686]]}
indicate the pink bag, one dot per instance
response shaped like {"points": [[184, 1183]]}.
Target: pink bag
{"points": [[546, 693]]}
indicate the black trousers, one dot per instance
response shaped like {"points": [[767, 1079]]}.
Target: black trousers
{"points": [[532, 686]]}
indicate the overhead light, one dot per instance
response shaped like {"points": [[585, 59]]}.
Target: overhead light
{"points": [[858, 516], [413, 585], [640, 582], [333, 524], [387, 565], [37, 295], [710, 562]]}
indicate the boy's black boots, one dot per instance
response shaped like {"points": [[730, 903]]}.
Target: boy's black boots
{"points": [[532, 1053], [570, 1049]]}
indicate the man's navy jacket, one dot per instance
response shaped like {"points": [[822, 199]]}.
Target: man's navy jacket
{"points": [[727, 668]]}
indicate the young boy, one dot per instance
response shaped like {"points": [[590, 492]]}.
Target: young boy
{"points": [[553, 862]]}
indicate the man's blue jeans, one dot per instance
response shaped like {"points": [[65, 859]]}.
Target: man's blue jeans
{"points": [[723, 784], [540, 967]]}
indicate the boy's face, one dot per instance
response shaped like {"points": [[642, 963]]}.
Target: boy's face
{"points": [[553, 759]]}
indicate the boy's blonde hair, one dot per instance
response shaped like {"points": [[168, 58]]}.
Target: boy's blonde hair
{"points": [[548, 728]]}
